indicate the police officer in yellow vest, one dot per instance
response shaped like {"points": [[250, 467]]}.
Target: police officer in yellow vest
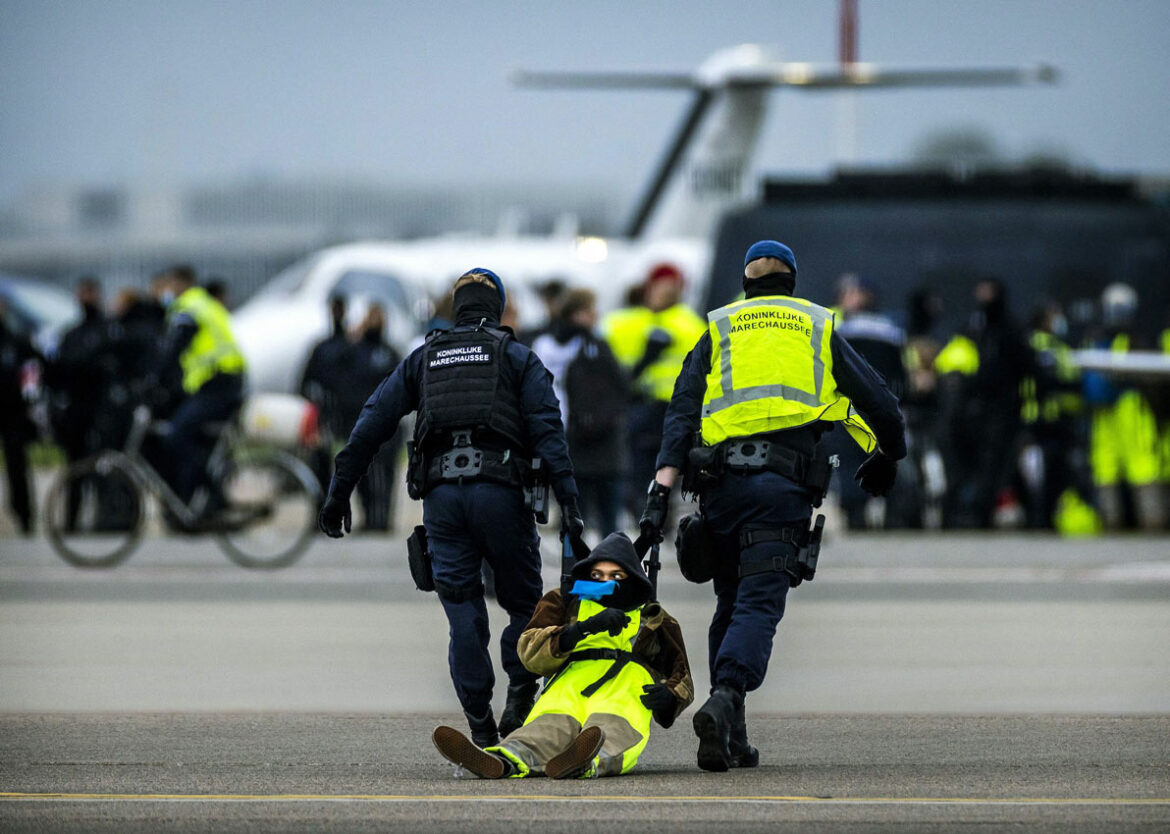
{"points": [[761, 386], [651, 340], [199, 340]]}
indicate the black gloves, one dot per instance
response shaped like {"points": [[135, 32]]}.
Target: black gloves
{"points": [[335, 515], [571, 521], [876, 475], [611, 620], [658, 698], [654, 516]]}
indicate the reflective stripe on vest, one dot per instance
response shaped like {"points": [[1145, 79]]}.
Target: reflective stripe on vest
{"points": [[213, 350], [771, 369]]}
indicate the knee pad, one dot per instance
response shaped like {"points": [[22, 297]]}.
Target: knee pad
{"points": [[459, 593]]}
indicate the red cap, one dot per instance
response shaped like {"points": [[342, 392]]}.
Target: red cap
{"points": [[664, 272]]}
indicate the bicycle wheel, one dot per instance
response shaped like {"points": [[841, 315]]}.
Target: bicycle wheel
{"points": [[93, 513], [271, 514]]}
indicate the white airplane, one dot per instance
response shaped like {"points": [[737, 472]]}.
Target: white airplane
{"points": [[702, 174]]}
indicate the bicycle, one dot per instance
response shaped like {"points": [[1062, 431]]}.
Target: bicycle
{"points": [[267, 500]]}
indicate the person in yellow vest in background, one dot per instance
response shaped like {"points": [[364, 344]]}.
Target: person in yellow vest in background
{"points": [[651, 339], [1123, 449], [200, 342], [1164, 420], [1052, 411]]}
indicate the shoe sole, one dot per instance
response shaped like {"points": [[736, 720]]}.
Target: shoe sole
{"points": [[578, 756], [713, 753], [459, 749]]}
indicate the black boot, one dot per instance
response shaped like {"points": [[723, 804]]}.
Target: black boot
{"points": [[713, 723], [521, 697], [483, 729], [742, 753]]}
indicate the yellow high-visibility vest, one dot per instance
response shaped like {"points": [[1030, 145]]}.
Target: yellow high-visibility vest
{"points": [[685, 328], [959, 355], [213, 350], [628, 332], [625, 331], [772, 369]]}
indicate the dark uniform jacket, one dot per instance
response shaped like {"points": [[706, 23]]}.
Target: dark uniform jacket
{"points": [[399, 394]]}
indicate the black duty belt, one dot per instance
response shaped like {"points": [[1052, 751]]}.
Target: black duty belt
{"points": [[754, 454], [470, 462]]}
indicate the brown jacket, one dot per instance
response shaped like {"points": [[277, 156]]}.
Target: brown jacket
{"points": [[659, 644]]}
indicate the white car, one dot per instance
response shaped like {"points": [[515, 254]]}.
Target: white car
{"points": [[37, 309], [278, 327]]}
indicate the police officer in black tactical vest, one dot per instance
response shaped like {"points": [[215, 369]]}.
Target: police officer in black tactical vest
{"points": [[767, 379], [488, 425]]}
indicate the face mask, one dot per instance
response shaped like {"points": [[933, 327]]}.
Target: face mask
{"points": [[627, 596], [166, 297], [588, 589], [1059, 327]]}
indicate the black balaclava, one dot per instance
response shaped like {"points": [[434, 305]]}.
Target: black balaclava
{"points": [[632, 591], [774, 283], [477, 302]]}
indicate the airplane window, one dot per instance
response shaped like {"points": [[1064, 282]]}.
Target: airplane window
{"points": [[379, 285]]}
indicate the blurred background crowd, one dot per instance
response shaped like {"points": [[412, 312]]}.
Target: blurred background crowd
{"points": [[1006, 430]]}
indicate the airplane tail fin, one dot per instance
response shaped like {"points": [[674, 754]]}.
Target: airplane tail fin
{"points": [[703, 172]]}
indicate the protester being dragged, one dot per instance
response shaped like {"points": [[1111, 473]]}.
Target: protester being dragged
{"points": [[615, 659]]}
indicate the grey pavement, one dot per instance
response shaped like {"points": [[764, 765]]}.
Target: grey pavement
{"points": [[313, 772], [921, 682]]}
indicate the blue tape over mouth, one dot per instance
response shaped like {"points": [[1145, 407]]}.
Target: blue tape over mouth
{"points": [[588, 589]]}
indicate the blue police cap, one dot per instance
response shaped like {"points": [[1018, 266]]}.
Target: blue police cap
{"points": [[479, 270], [770, 249]]}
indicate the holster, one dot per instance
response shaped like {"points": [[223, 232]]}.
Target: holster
{"points": [[418, 556], [416, 470], [695, 549], [704, 468], [536, 489], [800, 566]]}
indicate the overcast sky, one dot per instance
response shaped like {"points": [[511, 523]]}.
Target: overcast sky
{"points": [[190, 90]]}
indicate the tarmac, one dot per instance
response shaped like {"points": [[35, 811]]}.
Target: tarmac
{"points": [[922, 682]]}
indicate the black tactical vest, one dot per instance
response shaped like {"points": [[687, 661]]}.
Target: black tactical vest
{"points": [[464, 387]]}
